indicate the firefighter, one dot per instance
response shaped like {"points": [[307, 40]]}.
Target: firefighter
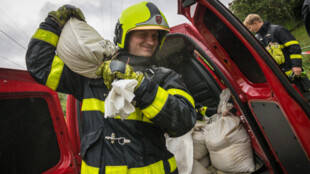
{"points": [[284, 49], [162, 101]]}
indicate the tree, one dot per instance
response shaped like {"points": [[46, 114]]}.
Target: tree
{"points": [[282, 12]]}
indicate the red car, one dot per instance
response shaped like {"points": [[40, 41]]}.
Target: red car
{"points": [[212, 53]]}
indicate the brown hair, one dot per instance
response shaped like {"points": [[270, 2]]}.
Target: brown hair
{"points": [[251, 18]]}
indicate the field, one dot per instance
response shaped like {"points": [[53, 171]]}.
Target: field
{"points": [[304, 41]]}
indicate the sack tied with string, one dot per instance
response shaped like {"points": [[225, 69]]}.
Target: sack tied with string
{"points": [[82, 48]]}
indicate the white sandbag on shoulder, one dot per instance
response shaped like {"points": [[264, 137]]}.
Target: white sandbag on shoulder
{"points": [[182, 148], [228, 142], [82, 48]]}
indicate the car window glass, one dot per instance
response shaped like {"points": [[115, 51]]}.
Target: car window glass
{"points": [[236, 51], [28, 140]]}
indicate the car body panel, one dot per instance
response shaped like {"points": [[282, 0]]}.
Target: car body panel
{"points": [[219, 27], [25, 104]]}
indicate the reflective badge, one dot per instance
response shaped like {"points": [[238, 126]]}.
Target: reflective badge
{"points": [[158, 19]]}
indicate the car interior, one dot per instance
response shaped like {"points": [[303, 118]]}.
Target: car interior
{"points": [[182, 54], [179, 53]]}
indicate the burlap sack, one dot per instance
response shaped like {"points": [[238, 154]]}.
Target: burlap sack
{"points": [[198, 168], [182, 148], [205, 161], [82, 48], [200, 148], [228, 142]]}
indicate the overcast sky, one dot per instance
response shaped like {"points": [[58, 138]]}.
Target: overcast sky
{"points": [[20, 19]]}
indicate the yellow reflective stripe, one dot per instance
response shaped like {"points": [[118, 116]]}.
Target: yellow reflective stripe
{"points": [[137, 115], [46, 36], [182, 93], [173, 164], [295, 56], [116, 169], [158, 103], [55, 73], [86, 169], [289, 43], [157, 168], [93, 104]]}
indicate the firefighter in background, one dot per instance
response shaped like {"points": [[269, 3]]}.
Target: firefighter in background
{"points": [[163, 104], [284, 49]]}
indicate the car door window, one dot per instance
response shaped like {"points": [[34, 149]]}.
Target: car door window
{"points": [[28, 140]]}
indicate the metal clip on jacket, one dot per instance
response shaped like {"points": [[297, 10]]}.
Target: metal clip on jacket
{"points": [[120, 140]]}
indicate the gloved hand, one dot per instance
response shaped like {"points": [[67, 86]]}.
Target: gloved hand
{"points": [[114, 69], [291, 75], [63, 14], [204, 111]]}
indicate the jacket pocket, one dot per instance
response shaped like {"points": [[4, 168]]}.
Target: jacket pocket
{"points": [[90, 140]]}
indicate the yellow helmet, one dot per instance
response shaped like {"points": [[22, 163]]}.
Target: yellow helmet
{"points": [[142, 16]]}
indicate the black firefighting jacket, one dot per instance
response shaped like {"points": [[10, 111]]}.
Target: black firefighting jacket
{"points": [[163, 105], [289, 45]]}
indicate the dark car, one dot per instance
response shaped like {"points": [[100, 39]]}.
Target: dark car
{"points": [[212, 53]]}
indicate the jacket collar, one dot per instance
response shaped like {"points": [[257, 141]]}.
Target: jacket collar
{"points": [[263, 30], [133, 60]]}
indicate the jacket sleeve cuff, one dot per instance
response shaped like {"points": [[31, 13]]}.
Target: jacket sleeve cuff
{"points": [[51, 25], [296, 62]]}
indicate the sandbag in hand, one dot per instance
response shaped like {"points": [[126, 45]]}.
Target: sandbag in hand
{"points": [[63, 14], [114, 69]]}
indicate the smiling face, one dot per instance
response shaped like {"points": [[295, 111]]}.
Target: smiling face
{"points": [[143, 42]]}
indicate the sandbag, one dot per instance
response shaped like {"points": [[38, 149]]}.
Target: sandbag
{"points": [[198, 168], [228, 143], [182, 148], [82, 48], [205, 161], [200, 148], [224, 106]]}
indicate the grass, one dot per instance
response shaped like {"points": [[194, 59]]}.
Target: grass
{"points": [[302, 37], [63, 101]]}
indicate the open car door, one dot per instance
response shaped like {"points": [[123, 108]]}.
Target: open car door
{"points": [[215, 52], [34, 136]]}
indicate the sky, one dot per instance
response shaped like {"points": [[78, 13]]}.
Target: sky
{"points": [[20, 19]]}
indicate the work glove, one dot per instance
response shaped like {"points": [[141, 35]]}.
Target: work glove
{"points": [[114, 69], [204, 111], [292, 76], [63, 14]]}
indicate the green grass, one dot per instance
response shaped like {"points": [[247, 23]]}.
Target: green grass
{"points": [[302, 37], [63, 101]]}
